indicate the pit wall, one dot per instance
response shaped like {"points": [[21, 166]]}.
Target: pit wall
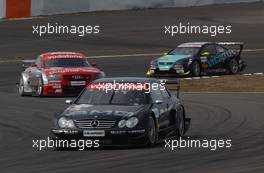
{"points": [[27, 8]]}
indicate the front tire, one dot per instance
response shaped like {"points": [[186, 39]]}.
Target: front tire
{"points": [[21, 87], [152, 133], [39, 91], [181, 126], [196, 69]]}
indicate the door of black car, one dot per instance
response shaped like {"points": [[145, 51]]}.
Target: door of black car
{"points": [[208, 56], [167, 100], [161, 104], [221, 54]]}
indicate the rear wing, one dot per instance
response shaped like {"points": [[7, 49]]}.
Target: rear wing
{"points": [[174, 83], [27, 63], [240, 44]]}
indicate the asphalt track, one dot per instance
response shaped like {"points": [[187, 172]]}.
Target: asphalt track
{"points": [[238, 117]]}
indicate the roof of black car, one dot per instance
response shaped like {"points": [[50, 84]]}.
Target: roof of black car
{"points": [[127, 80]]}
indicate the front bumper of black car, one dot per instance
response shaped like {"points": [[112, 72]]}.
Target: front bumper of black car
{"points": [[112, 137]]}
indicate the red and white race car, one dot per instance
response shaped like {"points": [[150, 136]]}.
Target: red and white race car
{"points": [[57, 73]]}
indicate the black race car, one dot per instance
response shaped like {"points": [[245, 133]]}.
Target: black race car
{"points": [[199, 58], [133, 111]]}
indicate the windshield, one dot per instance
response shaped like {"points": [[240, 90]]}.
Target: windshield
{"points": [[184, 51], [66, 62], [113, 97]]}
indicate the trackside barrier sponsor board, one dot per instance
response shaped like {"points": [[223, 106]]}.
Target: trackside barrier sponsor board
{"points": [[18, 8]]}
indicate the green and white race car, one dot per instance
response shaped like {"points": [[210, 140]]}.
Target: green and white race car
{"points": [[199, 58]]}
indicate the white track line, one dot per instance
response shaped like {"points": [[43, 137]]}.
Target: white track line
{"points": [[98, 57], [128, 55], [253, 50], [120, 56]]}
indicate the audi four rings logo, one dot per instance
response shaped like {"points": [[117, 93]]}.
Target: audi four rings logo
{"points": [[77, 77], [95, 123]]}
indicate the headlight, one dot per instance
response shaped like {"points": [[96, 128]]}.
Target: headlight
{"points": [[178, 66], [101, 75], [153, 64], [54, 77], [132, 122], [122, 124], [189, 62], [65, 123]]}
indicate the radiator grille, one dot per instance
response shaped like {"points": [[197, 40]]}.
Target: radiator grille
{"points": [[166, 63], [77, 77], [94, 124]]}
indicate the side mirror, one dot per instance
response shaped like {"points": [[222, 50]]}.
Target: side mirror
{"points": [[158, 101], [93, 64], [205, 53], [34, 65], [68, 102]]}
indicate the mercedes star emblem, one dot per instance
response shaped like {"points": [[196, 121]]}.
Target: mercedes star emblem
{"points": [[95, 123]]}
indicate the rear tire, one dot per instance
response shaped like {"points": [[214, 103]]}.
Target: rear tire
{"points": [[233, 66], [196, 69], [152, 133]]}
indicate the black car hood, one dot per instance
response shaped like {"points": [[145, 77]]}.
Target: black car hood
{"points": [[85, 111]]}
